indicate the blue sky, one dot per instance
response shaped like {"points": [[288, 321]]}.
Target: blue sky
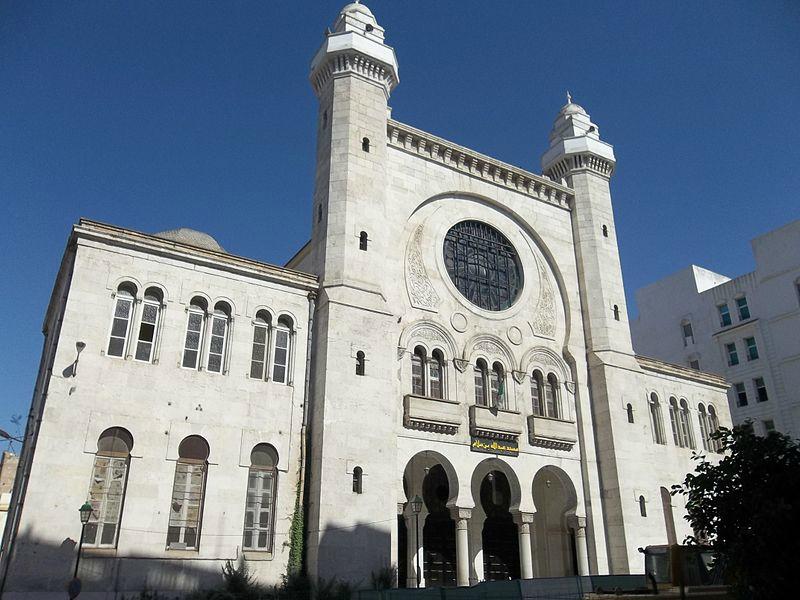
{"points": [[154, 115]]}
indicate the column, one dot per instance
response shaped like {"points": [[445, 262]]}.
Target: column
{"points": [[461, 517], [524, 522], [579, 525]]}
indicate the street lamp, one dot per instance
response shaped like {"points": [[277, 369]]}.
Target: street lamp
{"points": [[79, 346], [416, 507], [86, 513]]}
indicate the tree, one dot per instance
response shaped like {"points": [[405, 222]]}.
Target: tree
{"points": [[747, 507]]}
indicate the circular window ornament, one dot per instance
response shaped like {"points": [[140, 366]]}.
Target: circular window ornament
{"points": [[483, 265]]}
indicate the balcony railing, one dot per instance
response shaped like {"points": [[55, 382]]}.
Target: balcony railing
{"points": [[494, 422], [552, 433], [431, 414]]}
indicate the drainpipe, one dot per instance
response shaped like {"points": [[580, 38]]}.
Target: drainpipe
{"points": [[304, 429]]}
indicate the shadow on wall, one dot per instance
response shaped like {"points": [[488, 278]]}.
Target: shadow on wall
{"points": [[352, 553], [45, 567]]}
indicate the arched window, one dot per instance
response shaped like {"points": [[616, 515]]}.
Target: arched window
{"points": [[605, 231], [481, 377], [107, 487], [436, 373], [218, 344], [702, 418], [194, 332], [537, 393], [673, 421], [551, 397], [259, 512], [148, 324], [258, 356], [642, 506], [283, 350], [616, 312], [655, 420], [358, 480], [361, 361], [363, 240], [713, 426], [629, 411], [121, 321], [497, 383], [687, 439], [418, 371], [188, 490], [365, 144]]}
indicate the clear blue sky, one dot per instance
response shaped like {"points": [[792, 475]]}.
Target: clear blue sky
{"points": [[154, 115]]}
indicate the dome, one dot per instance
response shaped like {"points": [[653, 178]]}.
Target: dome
{"points": [[191, 237], [357, 7], [573, 109]]}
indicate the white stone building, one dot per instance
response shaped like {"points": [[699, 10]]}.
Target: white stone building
{"points": [[746, 329], [468, 348]]}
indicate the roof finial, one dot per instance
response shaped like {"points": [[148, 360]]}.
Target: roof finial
{"points": [[569, 97]]}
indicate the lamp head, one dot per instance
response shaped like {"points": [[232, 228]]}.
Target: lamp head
{"points": [[85, 512], [416, 504], [79, 346]]}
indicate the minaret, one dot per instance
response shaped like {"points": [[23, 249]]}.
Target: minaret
{"points": [[580, 159], [352, 507]]}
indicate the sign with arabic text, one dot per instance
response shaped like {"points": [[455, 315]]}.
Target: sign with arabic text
{"points": [[490, 446]]}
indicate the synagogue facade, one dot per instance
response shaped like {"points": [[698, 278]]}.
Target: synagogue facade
{"points": [[441, 379]]}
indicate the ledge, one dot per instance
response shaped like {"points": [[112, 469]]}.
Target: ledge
{"points": [[659, 366], [431, 414], [552, 433], [494, 423]]}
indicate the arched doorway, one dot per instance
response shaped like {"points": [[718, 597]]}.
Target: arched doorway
{"points": [[499, 536], [439, 532], [554, 546]]}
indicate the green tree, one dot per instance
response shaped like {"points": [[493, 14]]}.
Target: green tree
{"points": [[747, 506]]}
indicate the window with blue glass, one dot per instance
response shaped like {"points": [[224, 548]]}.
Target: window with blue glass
{"points": [[744, 310], [483, 265], [724, 315]]}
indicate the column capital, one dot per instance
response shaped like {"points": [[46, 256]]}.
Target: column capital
{"points": [[522, 518], [459, 514], [578, 523]]}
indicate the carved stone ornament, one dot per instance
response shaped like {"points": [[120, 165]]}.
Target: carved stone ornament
{"points": [[420, 288], [570, 385], [544, 324], [400, 352], [514, 335], [461, 364], [489, 347], [459, 322], [519, 376], [429, 333]]}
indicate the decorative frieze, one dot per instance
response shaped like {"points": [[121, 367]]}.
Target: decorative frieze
{"points": [[352, 62], [478, 165], [575, 162]]}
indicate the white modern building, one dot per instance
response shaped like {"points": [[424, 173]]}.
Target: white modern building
{"points": [[746, 329], [442, 376]]}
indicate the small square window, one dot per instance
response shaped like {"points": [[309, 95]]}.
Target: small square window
{"points": [[752, 349], [724, 315], [733, 357], [741, 394], [744, 310], [761, 389], [694, 364], [769, 426], [688, 334]]}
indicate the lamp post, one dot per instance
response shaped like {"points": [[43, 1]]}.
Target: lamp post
{"points": [[416, 507], [79, 346], [86, 513]]}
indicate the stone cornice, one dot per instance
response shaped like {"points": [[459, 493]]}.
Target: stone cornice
{"points": [[353, 62], [143, 242], [665, 368], [581, 162], [474, 164]]}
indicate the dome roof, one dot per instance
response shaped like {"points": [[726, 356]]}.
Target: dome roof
{"points": [[573, 109], [357, 7], [191, 237]]}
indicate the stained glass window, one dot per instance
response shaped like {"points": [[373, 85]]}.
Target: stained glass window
{"points": [[483, 265]]}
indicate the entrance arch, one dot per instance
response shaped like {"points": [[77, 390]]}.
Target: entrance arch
{"points": [[500, 541], [554, 546]]}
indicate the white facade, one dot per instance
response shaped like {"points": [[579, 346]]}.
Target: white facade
{"points": [[763, 305], [414, 390]]}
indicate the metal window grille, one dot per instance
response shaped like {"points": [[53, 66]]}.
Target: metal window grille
{"points": [[259, 511], [186, 510], [483, 265], [106, 493]]}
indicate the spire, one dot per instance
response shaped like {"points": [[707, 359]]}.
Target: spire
{"points": [[569, 97]]}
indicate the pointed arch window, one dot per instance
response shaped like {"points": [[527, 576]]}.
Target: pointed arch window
{"points": [[363, 241], [642, 506], [121, 321], [107, 487], [283, 350], [656, 423], [218, 342], [188, 491], [537, 393], [365, 144], [702, 418], [149, 324], [551, 397], [358, 480], [497, 383], [629, 411], [481, 379], [673, 421], [259, 514], [195, 325], [436, 372], [258, 355], [685, 426], [361, 363]]}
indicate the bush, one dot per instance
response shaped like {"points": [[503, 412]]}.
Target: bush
{"points": [[384, 578]]}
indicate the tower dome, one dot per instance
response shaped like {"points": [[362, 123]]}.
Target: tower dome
{"points": [[357, 7], [191, 237], [570, 108]]}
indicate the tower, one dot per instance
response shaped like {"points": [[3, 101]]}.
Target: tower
{"points": [[350, 519]]}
